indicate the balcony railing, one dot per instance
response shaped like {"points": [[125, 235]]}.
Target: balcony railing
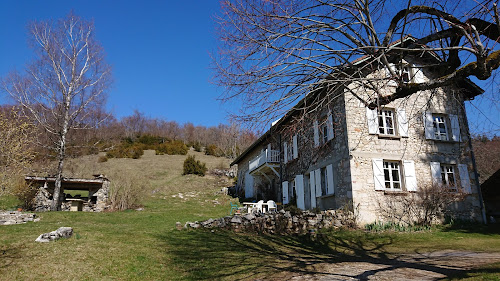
{"points": [[266, 156]]}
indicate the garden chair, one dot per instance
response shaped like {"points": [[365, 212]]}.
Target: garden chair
{"points": [[271, 206], [234, 206]]}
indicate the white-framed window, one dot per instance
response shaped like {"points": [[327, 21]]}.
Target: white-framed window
{"points": [[386, 122], [406, 73], [443, 127], [324, 133], [323, 130], [290, 149], [448, 176], [440, 127], [452, 176], [392, 175]]}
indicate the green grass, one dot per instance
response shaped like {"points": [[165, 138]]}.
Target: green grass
{"points": [[9, 202], [144, 245]]}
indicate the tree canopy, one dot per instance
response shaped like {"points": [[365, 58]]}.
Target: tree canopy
{"points": [[274, 53]]}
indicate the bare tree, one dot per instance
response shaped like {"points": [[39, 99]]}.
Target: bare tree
{"points": [[68, 77], [274, 53]]}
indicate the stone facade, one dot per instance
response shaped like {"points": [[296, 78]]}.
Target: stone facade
{"points": [[345, 155]]}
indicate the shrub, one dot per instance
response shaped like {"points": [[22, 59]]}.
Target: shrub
{"points": [[172, 148], [102, 159], [193, 166], [126, 191], [197, 146], [126, 150], [213, 150]]}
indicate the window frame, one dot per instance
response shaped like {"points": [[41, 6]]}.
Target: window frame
{"points": [[437, 132], [391, 180], [382, 117], [446, 171]]}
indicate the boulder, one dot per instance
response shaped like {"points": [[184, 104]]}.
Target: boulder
{"points": [[61, 232]]}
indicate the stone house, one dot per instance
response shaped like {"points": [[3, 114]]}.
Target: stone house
{"points": [[342, 154], [95, 198]]}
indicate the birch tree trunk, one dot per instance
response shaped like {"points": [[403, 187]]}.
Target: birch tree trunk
{"points": [[67, 82]]}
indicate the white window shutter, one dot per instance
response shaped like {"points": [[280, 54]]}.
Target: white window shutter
{"points": [[429, 126], [330, 187], [312, 183], [402, 122], [372, 117], [248, 185], [299, 190], [285, 150], [378, 173], [331, 133], [464, 178], [317, 175], [312, 189], [455, 128], [388, 74], [418, 76], [410, 177], [295, 147], [436, 173], [285, 192], [316, 133]]}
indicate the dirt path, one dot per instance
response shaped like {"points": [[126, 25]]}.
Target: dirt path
{"points": [[425, 266]]}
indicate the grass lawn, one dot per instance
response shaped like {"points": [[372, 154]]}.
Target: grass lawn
{"points": [[144, 245]]}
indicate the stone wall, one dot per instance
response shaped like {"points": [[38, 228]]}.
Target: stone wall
{"points": [[282, 222], [15, 217]]}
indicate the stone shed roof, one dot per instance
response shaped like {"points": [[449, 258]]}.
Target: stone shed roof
{"points": [[70, 183]]}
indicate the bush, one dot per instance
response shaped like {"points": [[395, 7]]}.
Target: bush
{"points": [[197, 146], [102, 159], [213, 150], [126, 191], [193, 166], [126, 150], [172, 148]]}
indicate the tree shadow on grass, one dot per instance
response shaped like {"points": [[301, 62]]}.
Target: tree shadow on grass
{"points": [[9, 256], [235, 256]]}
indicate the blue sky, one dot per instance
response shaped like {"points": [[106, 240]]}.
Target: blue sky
{"points": [[159, 51]]}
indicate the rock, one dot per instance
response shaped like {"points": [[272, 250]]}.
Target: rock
{"points": [[249, 217], [178, 225], [139, 209], [61, 232], [236, 219]]}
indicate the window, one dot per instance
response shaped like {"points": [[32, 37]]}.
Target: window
{"points": [[443, 127], [386, 122], [324, 181], [290, 150], [451, 175], [406, 74], [448, 176], [323, 131], [440, 128], [392, 175]]}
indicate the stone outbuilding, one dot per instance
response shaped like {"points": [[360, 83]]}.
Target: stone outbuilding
{"points": [[95, 191]]}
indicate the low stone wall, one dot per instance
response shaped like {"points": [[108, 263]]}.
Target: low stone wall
{"points": [[282, 222], [15, 217]]}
